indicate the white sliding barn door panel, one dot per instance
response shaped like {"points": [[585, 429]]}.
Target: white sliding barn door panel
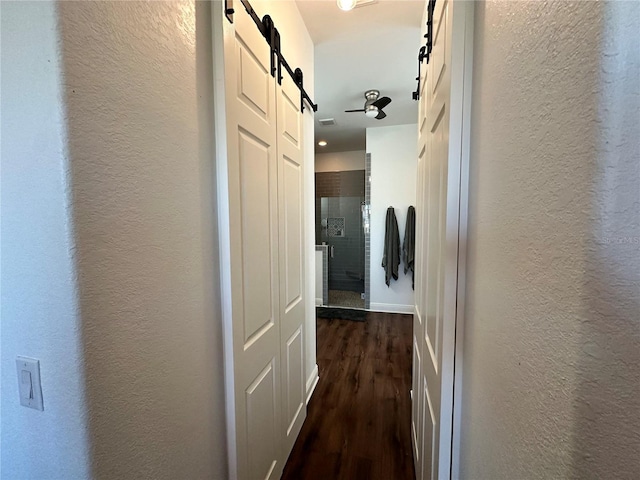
{"points": [[436, 130], [292, 280], [438, 224], [252, 176], [260, 190], [417, 383]]}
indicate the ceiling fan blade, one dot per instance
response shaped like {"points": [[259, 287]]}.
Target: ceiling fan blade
{"points": [[382, 102], [381, 115], [350, 111]]}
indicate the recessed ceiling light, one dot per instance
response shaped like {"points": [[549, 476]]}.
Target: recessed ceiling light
{"points": [[346, 4], [322, 143]]}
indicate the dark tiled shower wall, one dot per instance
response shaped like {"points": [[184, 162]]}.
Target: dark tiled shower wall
{"points": [[347, 271], [349, 183]]}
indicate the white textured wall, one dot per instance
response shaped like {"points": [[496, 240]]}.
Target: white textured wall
{"points": [[340, 161], [39, 308], [552, 333], [394, 163], [138, 86]]}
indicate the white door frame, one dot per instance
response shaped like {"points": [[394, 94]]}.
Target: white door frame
{"points": [[465, 154], [224, 241]]}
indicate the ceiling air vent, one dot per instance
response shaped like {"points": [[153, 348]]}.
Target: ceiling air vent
{"points": [[327, 122]]}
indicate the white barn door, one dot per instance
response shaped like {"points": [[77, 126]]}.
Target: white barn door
{"points": [[440, 146], [260, 180], [419, 283], [252, 178]]}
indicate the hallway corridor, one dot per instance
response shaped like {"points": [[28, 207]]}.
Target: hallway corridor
{"points": [[358, 420]]}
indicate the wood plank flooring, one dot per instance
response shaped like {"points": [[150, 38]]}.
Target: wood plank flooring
{"points": [[358, 420]]}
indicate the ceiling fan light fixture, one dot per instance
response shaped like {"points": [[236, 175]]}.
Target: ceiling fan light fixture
{"points": [[371, 111], [373, 105], [346, 5]]}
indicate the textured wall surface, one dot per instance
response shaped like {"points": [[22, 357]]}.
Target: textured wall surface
{"points": [[109, 262], [552, 333], [39, 293], [138, 85], [39, 307], [393, 184]]}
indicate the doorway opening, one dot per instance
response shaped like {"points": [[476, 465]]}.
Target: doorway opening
{"points": [[340, 235]]}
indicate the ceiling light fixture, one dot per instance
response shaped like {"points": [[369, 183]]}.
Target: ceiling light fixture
{"points": [[322, 143], [346, 5], [371, 111]]}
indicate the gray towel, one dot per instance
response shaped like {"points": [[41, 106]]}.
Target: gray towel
{"points": [[391, 251], [409, 244]]}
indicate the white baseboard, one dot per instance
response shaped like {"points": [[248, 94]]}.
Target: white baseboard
{"points": [[390, 308], [312, 381]]}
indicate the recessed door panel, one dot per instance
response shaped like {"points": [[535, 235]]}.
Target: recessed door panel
{"points": [[256, 213], [295, 380], [261, 404], [293, 231], [291, 119], [253, 82], [423, 103], [439, 42], [436, 206], [430, 462], [419, 252], [416, 429]]}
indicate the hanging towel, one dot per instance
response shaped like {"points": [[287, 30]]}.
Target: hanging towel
{"points": [[391, 250], [409, 244]]}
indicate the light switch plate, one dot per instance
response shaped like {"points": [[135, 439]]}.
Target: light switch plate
{"points": [[29, 382]]}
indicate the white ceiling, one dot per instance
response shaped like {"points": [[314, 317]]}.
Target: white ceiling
{"points": [[370, 47]]}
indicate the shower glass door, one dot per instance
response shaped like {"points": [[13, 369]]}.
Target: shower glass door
{"points": [[342, 230], [340, 204]]}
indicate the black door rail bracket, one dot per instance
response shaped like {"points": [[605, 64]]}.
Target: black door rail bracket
{"points": [[425, 51], [272, 36], [421, 56]]}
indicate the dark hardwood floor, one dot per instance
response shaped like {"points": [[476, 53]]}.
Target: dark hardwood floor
{"points": [[358, 420]]}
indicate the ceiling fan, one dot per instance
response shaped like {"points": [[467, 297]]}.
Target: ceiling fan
{"points": [[373, 105]]}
